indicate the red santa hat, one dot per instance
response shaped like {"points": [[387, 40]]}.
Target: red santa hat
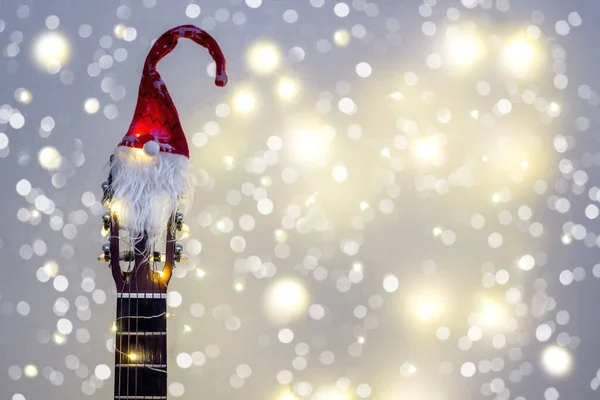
{"points": [[156, 126]]}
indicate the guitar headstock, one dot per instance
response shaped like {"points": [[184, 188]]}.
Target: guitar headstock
{"points": [[136, 269]]}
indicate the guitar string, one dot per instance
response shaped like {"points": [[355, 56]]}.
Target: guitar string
{"points": [[121, 353], [140, 354]]}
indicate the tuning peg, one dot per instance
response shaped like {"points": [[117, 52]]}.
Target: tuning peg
{"points": [[156, 256], [106, 221], [178, 252], [106, 251], [179, 221]]}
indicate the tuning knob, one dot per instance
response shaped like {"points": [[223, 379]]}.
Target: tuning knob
{"points": [[178, 252], [106, 221], [106, 251], [179, 221]]}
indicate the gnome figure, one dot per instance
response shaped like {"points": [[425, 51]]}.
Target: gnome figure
{"points": [[150, 175]]}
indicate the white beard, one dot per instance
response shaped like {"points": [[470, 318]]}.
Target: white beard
{"points": [[148, 190]]}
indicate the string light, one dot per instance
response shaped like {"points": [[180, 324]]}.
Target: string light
{"points": [[263, 58], [360, 340], [238, 287], [385, 152], [229, 162], [495, 197], [397, 96], [132, 356], [364, 205], [312, 199], [200, 273], [187, 328], [58, 338]]}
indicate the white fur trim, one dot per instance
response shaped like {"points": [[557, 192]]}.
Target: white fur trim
{"points": [[146, 191]]}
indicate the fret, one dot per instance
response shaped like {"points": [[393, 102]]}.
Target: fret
{"points": [[148, 296], [140, 397], [140, 382], [141, 333], [157, 366], [149, 349], [141, 315]]}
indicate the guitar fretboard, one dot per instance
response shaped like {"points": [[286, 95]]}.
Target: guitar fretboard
{"points": [[141, 344]]}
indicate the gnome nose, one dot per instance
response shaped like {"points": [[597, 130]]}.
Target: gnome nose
{"points": [[152, 148]]}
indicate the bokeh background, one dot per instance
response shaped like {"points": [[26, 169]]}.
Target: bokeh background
{"points": [[396, 199]]}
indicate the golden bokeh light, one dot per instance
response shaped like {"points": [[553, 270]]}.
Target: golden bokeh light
{"points": [[462, 47], [427, 149], [244, 101], [341, 38], [51, 51], [285, 300], [30, 371], [287, 88], [520, 56], [263, 58], [556, 360], [309, 146], [49, 158]]}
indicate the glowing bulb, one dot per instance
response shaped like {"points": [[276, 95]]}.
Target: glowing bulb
{"points": [[119, 30], [397, 96], [287, 88], [187, 328], [280, 235], [229, 162], [364, 205], [244, 101], [519, 56], [357, 266], [360, 340], [263, 58], [437, 231], [114, 327], [475, 114], [161, 274], [311, 200], [31, 371], [169, 314], [132, 356], [554, 107], [496, 198], [427, 308], [341, 38], [524, 164], [221, 225], [566, 238], [51, 50], [556, 360], [23, 95], [116, 208], [385, 152], [200, 273], [412, 369], [239, 287], [266, 181], [59, 339], [484, 158], [51, 269]]}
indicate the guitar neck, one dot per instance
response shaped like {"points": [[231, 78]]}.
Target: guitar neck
{"points": [[141, 347]]}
